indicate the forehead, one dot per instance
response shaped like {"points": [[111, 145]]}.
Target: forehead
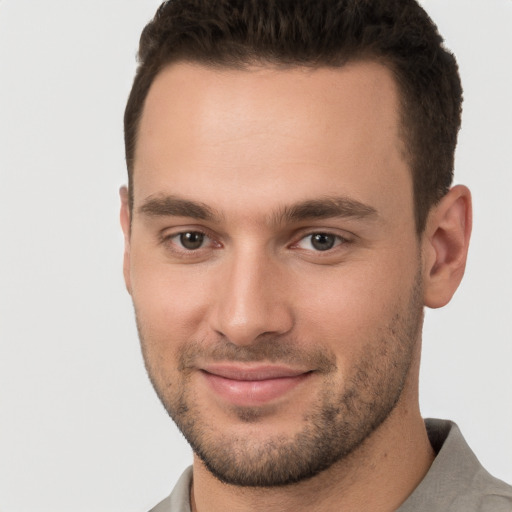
{"points": [[244, 136]]}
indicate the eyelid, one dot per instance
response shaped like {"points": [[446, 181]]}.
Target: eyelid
{"points": [[344, 236], [339, 240], [166, 236], [178, 242]]}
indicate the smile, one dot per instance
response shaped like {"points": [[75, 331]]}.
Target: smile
{"points": [[252, 386]]}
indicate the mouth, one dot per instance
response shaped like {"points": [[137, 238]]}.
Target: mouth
{"points": [[252, 385]]}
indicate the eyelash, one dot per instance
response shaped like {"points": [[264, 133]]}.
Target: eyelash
{"points": [[337, 240], [176, 244]]}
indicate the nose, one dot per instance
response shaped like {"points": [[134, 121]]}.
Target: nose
{"points": [[252, 300]]}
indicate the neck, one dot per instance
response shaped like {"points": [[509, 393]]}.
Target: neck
{"points": [[379, 475]]}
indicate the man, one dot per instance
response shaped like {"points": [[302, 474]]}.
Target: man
{"points": [[288, 216]]}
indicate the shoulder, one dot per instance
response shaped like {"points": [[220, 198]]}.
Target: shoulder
{"points": [[493, 498], [456, 481], [487, 494], [179, 499]]}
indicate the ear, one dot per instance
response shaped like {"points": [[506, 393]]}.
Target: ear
{"points": [[445, 246], [126, 225]]}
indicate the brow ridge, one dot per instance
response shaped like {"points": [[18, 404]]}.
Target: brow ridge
{"points": [[324, 208], [170, 205]]}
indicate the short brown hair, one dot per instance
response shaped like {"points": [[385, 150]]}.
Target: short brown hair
{"points": [[319, 33]]}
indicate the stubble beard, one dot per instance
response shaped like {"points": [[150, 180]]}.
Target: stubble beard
{"points": [[331, 430]]}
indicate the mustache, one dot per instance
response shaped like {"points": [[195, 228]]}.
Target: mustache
{"points": [[285, 352]]}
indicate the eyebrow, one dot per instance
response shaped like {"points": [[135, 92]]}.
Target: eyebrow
{"points": [[173, 206], [324, 208]]}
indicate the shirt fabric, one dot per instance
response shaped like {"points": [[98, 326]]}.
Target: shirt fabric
{"points": [[456, 481]]}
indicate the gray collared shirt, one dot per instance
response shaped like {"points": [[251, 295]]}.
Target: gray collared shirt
{"points": [[456, 481]]}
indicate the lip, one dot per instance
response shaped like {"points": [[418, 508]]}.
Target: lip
{"points": [[243, 385]]}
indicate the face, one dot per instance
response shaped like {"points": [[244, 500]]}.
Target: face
{"points": [[273, 263]]}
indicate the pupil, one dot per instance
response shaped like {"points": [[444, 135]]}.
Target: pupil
{"points": [[322, 242], [192, 240]]}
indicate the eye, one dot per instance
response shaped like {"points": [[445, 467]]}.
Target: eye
{"points": [[190, 240], [320, 241]]}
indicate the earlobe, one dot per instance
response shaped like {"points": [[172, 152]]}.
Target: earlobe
{"points": [[445, 246], [126, 226]]}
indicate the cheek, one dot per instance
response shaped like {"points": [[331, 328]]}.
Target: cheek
{"points": [[347, 308], [170, 302]]}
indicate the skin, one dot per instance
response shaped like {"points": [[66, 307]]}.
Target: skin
{"points": [[246, 146]]}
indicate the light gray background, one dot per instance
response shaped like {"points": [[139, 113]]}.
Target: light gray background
{"points": [[80, 427]]}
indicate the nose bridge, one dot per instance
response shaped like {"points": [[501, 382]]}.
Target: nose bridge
{"points": [[250, 301]]}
